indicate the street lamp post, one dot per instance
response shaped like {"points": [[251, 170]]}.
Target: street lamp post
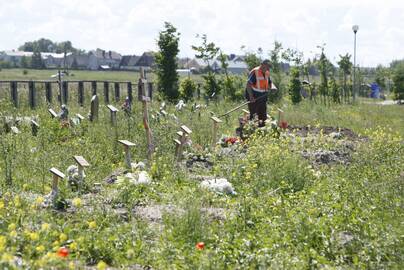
{"points": [[355, 29]]}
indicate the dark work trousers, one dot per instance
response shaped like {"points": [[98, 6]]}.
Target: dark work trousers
{"points": [[259, 107]]}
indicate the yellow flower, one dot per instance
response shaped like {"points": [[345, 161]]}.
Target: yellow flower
{"points": [[7, 258], [45, 226], [92, 224], [3, 242], [56, 244], [77, 202], [40, 248], [73, 246], [39, 200], [34, 236], [102, 265], [62, 237], [12, 227], [13, 234], [1, 205], [17, 202], [72, 266], [47, 189]]}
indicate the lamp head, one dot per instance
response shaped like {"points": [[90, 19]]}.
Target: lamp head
{"points": [[355, 28]]}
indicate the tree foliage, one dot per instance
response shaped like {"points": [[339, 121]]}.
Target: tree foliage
{"points": [[47, 45], [208, 51], [276, 72], [166, 61], [187, 89], [398, 80], [295, 86]]}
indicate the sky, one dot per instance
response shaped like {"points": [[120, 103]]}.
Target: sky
{"points": [[132, 26]]}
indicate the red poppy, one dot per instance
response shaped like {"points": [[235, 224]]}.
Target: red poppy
{"points": [[200, 245], [283, 124], [63, 252]]}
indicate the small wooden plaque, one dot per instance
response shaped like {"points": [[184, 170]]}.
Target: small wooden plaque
{"points": [[57, 172], [217, 120], [52, 113], [112, 108], [246, 111], [80, 116], [81, 161], [126, 142], [186, 129], [180, 133], [34, 123], [177, 142]]}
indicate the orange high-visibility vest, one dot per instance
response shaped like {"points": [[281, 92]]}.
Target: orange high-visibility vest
{"points": [[261, 84]]}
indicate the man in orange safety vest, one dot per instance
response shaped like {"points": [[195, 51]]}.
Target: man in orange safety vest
{"points": [[258, 85]]}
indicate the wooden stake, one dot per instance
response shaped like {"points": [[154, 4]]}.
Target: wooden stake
{"points": [[113, 111], [34, 127], [145, 99], [177, 147], [56, 176], [81, 163], [216, 122], [183, 138], [52, 113], [80, 117], [280, 116], [126, 145]]}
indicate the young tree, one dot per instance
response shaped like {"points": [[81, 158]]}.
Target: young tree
{"points": [[36, 61], [398, 80], [207, 52], [276, 72], [345, 66], [323, 67], [295, 86], [166, 61], [25, 63]]}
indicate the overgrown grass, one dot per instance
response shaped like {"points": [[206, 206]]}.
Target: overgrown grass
{"points": [[286, 214]]}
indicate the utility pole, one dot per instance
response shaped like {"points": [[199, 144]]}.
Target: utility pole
{"points": [[355, 29]]}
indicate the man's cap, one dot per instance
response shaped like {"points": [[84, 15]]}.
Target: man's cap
{"points": [[266, 62]]}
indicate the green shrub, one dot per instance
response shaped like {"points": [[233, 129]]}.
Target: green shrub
{"points": [[187, 89], [398, 79]]}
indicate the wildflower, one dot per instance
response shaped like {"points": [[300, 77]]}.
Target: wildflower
{"points": [[12, 227], [39, 200], [1, 205], [63, 252], [40, 248], [73, 246], [102, 265], [7, 258], [3, 242], [62, 237], [200, 245], [92, 224], [13, 234], [77, 202], [17, 201], [45, 226], [34, 236], [72, 266]]}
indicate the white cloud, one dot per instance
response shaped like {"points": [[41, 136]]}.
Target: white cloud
{"points": [[132, 26]]}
